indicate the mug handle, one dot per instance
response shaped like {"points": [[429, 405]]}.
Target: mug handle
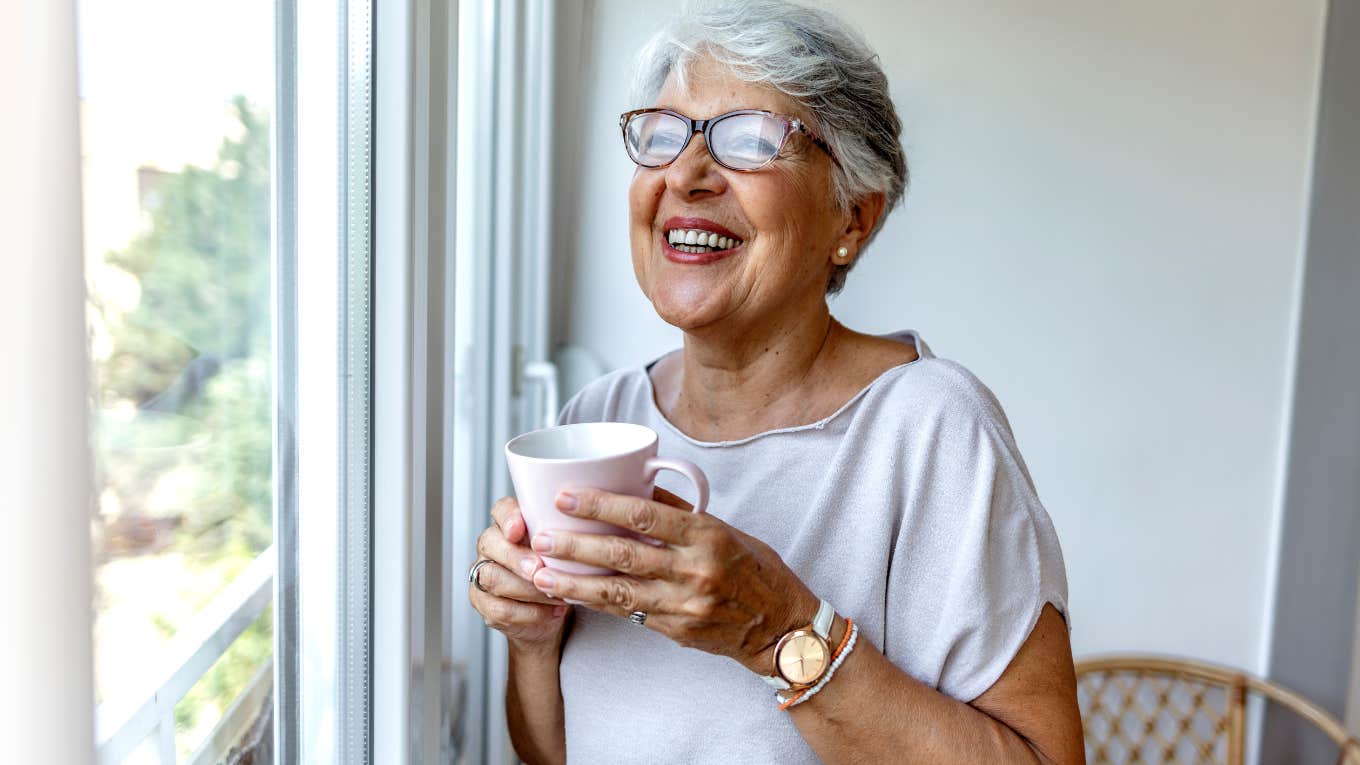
{"points": [[686, 468]]}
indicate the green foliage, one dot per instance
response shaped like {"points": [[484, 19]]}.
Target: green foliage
{"points": [[203, 267], [192, 361], [233, 500]]}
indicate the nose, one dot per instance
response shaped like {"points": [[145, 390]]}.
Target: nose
{"points": [[694, 174]]}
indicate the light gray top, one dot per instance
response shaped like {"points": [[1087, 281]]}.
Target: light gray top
{"points": [[909, 509]]}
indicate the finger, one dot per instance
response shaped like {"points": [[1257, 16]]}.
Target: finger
{"points": [[502, 613], [493, 546], [501, 582], [645, 516], [661, 495], [618, 594], [508, 517], [610, 551]]}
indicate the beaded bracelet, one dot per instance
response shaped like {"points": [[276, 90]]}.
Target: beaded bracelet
{"points": [[843, 650], [854, 635]]}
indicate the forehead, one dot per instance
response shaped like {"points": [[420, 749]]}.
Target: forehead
{"points": [[712, 89]]}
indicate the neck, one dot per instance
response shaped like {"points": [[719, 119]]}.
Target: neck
{"points": [[741, 382]]}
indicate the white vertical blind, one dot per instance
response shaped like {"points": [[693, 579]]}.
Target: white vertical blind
{"points": [[46, 698]]}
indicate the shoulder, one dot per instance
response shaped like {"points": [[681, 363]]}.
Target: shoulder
{"points": [[612, 397], [945, 425], [941, 393]]}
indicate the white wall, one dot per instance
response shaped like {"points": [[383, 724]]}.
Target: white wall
{"points": [[1106, 224]]}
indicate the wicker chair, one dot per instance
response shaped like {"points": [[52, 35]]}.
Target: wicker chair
{"points": [[1153, 709]]}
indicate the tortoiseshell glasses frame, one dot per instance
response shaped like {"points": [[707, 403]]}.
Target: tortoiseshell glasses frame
{"points": [[787, 126]]}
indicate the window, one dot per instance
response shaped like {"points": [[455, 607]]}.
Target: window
{"points": [[176, 107], [265, 339]]}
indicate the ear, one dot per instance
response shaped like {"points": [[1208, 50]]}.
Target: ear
{"points": [[860, 220]]}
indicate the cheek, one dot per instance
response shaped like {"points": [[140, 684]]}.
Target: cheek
{"points": [[806, 210], [644, 193]]}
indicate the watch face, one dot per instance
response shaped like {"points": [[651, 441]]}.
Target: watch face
{"points": [[802, 658]]}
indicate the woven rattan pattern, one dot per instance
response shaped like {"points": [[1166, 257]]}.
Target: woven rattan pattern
{"points": [[1142, 717], [1162, 709]]}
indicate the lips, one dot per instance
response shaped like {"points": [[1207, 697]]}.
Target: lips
{"points": [[697, 241], [698, 224]]}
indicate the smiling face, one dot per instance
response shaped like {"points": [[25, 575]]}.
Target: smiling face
{"points": [[783, 218]]}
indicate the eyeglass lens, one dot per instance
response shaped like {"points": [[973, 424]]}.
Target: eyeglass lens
{"points": [[741, 141]]}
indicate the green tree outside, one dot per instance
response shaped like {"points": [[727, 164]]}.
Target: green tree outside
{"points": [[189, 471]]}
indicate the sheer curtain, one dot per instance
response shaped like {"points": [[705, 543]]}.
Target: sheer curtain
{"points": [[45, 659]]}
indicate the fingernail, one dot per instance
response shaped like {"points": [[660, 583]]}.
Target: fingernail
{"points": [[543, 542], [567, 502], [545, 581], [529, 566]]}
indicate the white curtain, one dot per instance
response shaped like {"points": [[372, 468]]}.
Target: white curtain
{"points": [[46, 698]]}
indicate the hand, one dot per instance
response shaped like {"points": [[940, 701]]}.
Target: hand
{"points": [[709, 586], [529, 619]]}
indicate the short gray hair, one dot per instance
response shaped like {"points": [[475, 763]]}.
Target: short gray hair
{"points": [[814, 58]]}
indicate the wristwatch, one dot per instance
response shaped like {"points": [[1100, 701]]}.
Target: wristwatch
{"points": [[803, 655]]}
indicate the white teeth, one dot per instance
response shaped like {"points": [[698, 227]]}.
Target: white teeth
{"points": [[682, 238]]}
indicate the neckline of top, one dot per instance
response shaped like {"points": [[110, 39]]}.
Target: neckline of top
{"points": [[922, 352]]}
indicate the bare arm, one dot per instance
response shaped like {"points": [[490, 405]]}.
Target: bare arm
{"points": [[872, 711], [535, 627], [533, 706]]}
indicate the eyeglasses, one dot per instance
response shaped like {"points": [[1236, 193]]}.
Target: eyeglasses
{"points": [[744, 140]]}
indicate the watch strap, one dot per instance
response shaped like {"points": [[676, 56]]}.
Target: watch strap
{"points": [[821, 624], [776, 682]]}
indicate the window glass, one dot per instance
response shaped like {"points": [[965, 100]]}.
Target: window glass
{"points": [[175, 107]]}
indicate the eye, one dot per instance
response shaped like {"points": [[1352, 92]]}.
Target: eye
{"points": [[654, 139], [662, 141], [753, 146], [747, 140]]}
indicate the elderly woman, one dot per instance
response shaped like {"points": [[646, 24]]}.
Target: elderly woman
{"points": [[875, 552]]}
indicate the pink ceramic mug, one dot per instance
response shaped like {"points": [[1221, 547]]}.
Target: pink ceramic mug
{"points": [[618, 457]]}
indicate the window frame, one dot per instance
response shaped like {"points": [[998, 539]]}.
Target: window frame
{"points": [[326, 701]]}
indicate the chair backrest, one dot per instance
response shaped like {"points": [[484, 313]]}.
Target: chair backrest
{"points": [[1158, 709]]}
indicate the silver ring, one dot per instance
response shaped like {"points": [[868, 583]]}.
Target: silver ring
{"points": [[638, 617], [474, 571]]}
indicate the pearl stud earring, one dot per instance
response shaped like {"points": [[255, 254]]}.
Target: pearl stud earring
{"points": [[842, 253]]}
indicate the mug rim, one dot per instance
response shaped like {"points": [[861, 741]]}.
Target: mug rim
{"points": [[539, 433]]}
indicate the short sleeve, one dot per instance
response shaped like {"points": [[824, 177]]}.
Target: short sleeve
{"points": [[976, 558]]}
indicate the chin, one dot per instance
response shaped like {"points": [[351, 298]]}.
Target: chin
{"points": [[686, 305]]}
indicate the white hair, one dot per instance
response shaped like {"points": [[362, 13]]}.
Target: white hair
{"points": [[814, 58]]}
